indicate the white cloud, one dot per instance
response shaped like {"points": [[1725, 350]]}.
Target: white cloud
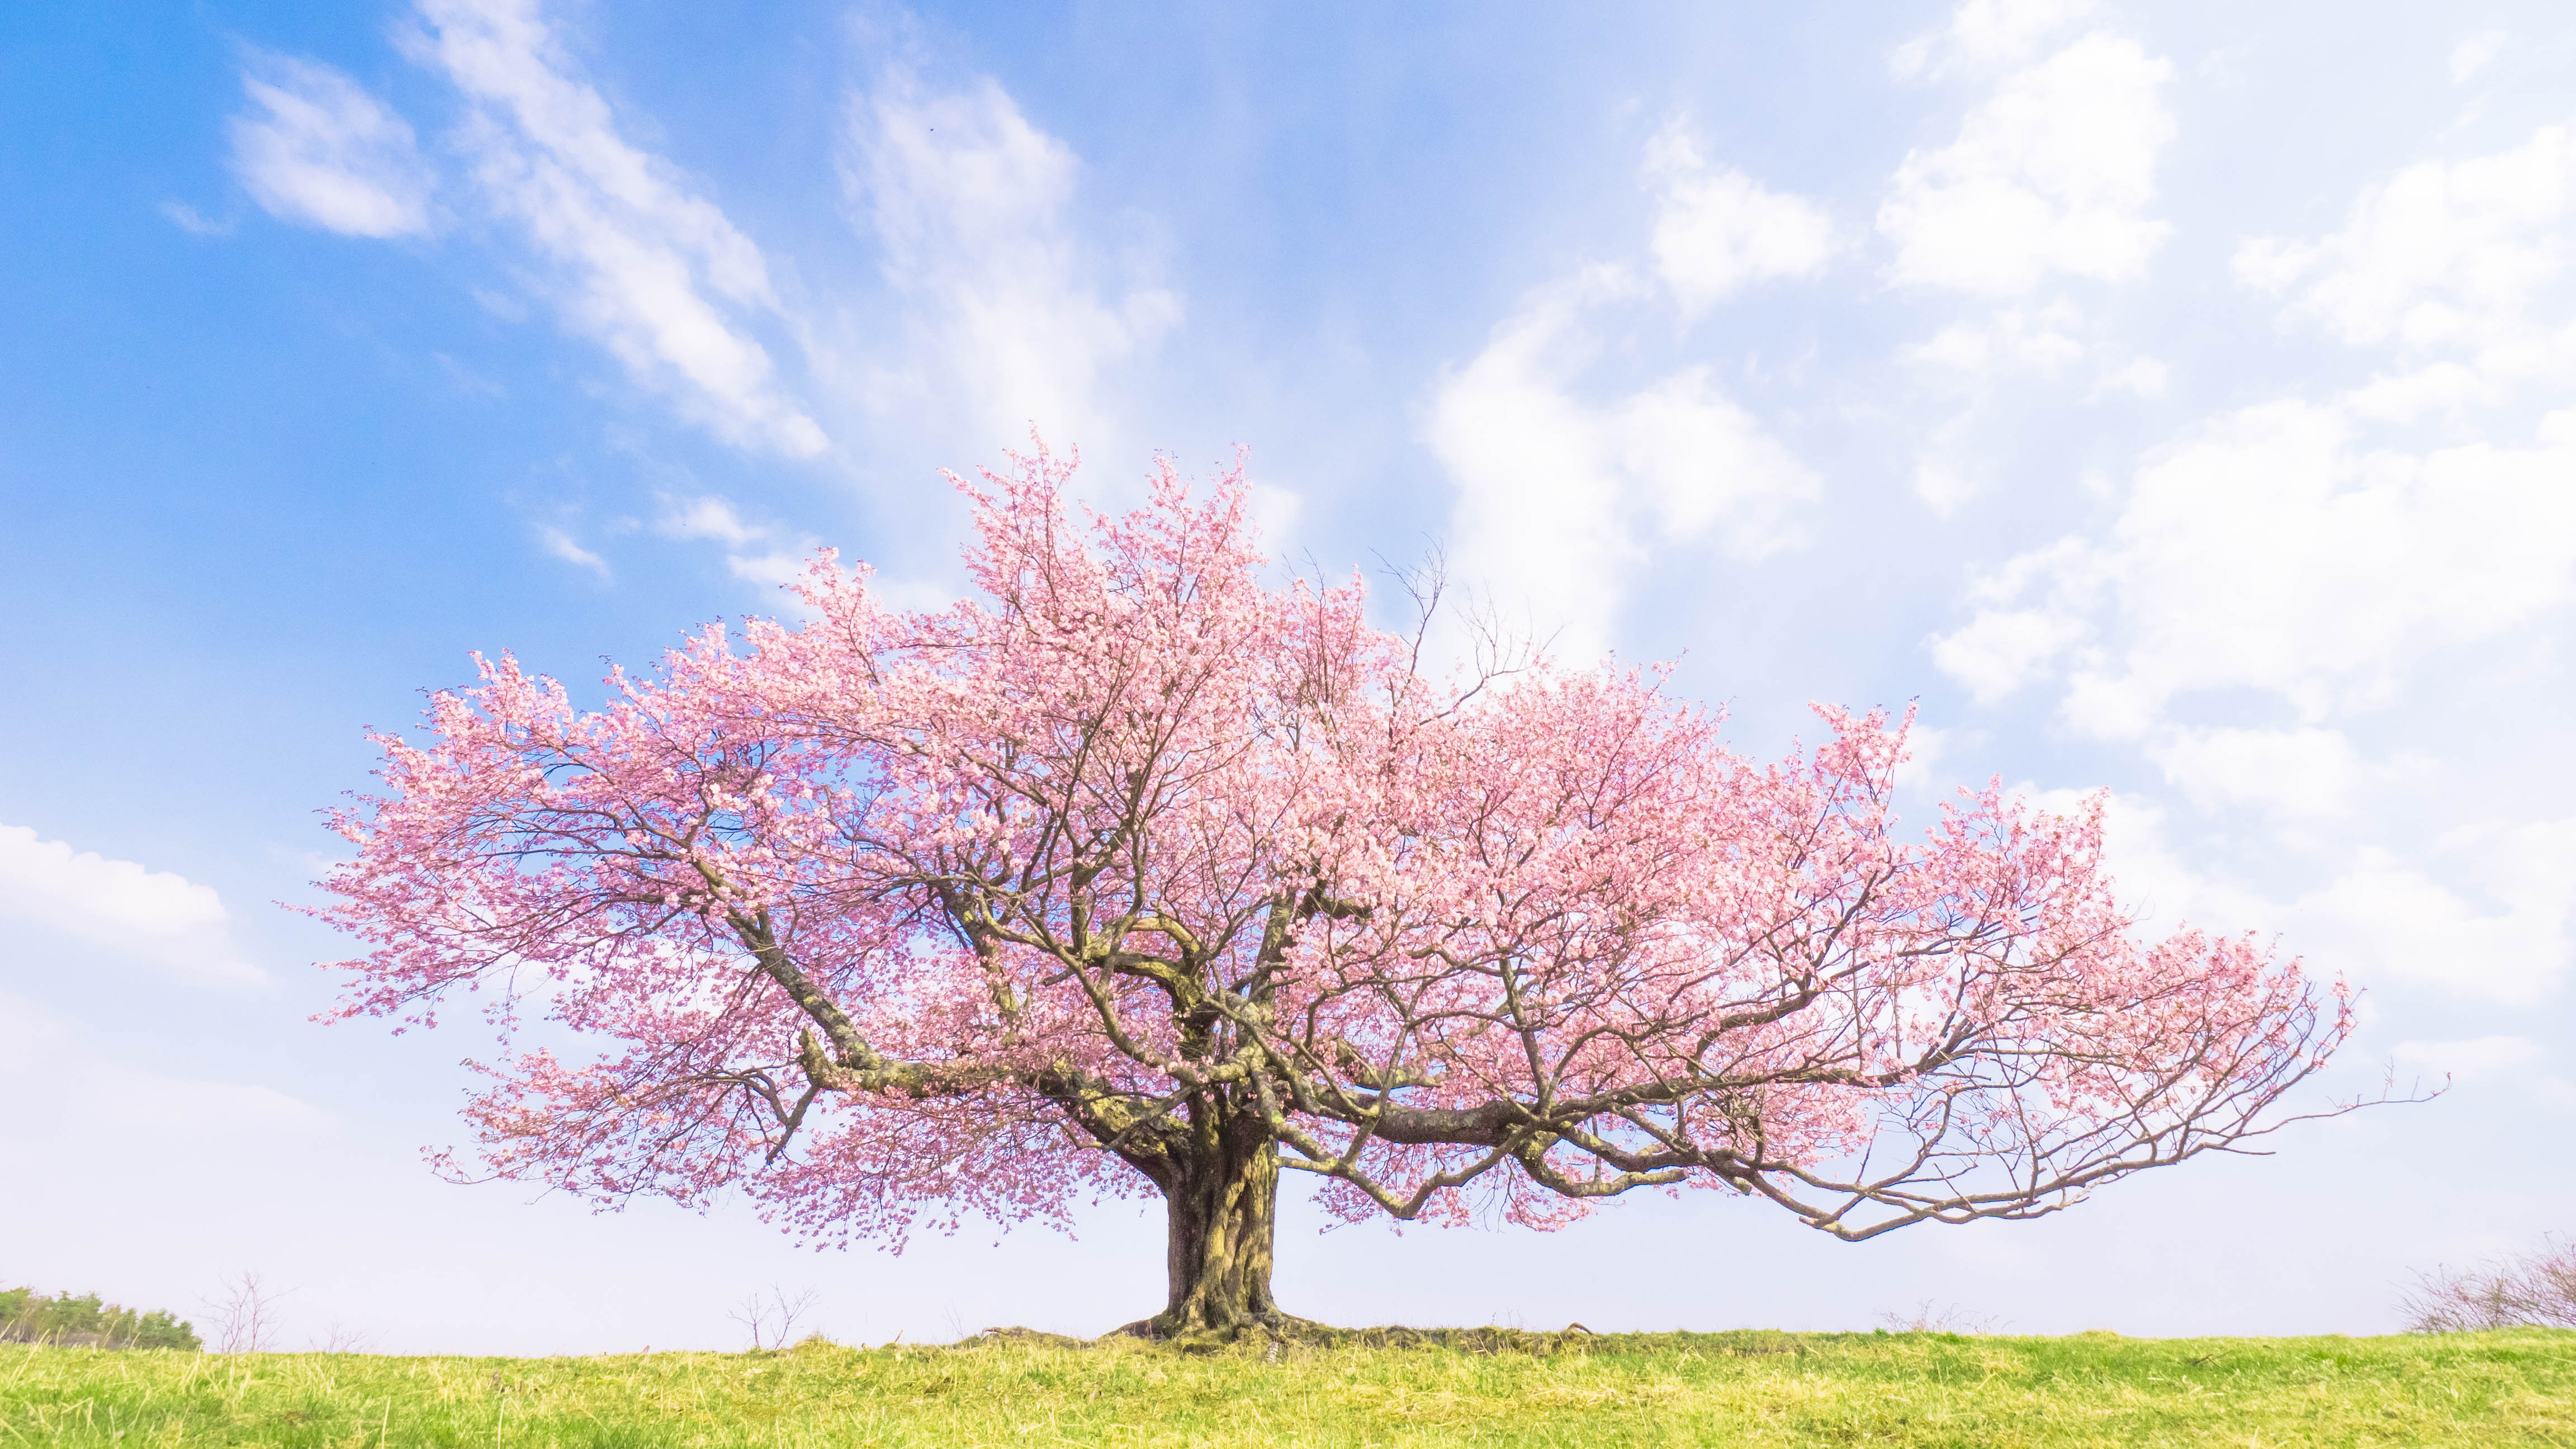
{"points": [[2442, 254], [1985, 34], [757, 553], [2379, 919], [2402, 397], [646, 261], [1717, 231], [712, 518], [2397, 919], [1943, 478], [1999, 650], [2280, 548], [318, 150], [2051, 174], [2300, 772], [2144, 377], [1539, 517], [2277, 569], [973, 207], [1701, 463], [778, 567], [2475, 1057], [153, 916], [2011, 339], [2270, 551], [1555, 491]]}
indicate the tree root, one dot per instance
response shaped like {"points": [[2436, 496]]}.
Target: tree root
{"points": [[1267, 1328], [1272, 1334]]}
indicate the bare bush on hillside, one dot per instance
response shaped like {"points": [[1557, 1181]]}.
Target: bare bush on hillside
{"points": [[245, 1316], [1925, 1317], [771, 1317], [2535, 1290], [341, 1338]]}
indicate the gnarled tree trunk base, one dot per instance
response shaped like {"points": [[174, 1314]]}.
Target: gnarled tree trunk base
{"points": [[1271, 1327], [1222, 1206]]}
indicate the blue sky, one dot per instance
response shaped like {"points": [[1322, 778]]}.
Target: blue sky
{"points": [[2171, 400]]}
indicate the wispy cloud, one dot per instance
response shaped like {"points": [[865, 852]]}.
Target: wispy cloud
{"points": [[562, 545], [974, 210], [467, 381], [2471, 57], [1006, 311], [757, 552], [188, 219], [122, 907], [317, 150], [653, 271], [49, 1067]]}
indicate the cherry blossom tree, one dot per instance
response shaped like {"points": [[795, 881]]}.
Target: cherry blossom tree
{"points": [[1139, 874]]}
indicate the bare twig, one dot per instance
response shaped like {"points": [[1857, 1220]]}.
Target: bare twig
{"points": [[771, 1317], [1926, 1317], [245, 1316]]}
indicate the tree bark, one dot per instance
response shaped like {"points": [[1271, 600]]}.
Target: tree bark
{"points": [[1224, 1211]]}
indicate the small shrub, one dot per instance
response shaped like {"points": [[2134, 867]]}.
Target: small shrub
{"points": [[2536, 1290]]}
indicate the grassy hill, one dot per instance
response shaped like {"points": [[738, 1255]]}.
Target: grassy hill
{"points": [[1474, 1388]]}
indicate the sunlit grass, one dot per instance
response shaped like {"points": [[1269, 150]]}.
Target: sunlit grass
{"points": [[2505, 1388]]}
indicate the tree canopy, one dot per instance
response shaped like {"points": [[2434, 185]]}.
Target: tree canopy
{"points": [[1138, 872]]}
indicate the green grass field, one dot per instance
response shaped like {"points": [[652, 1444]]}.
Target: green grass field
{"points": [[1748, 1388]]}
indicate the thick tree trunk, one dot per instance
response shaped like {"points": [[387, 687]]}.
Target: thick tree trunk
{"points": [[1224, 1206]]}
